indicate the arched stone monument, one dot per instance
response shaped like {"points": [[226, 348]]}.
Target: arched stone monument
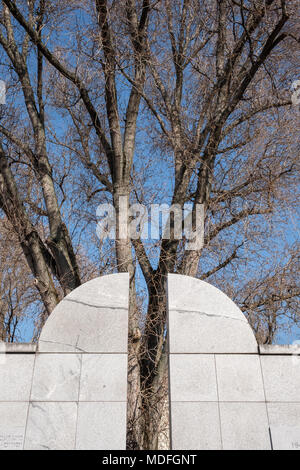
{"points": [[225, 392], [70, 391]]}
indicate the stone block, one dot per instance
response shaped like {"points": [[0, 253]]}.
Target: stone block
{"points": [[190, 294], [51, 426], [92, 318], [26, 348], [193, 377], [195, 426], [16, 372], [202, 319], [280, 349], [245, 426], [103, 377], [56, 377], [285, 425], [281, 378], [239, 378], [193, 332], [101, 426], [13, 417]]}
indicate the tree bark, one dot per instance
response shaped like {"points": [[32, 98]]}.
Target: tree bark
{"points": [[38, 257]]}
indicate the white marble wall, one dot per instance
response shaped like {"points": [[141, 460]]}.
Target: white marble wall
{"points": [[70, 393], [225, 393]]}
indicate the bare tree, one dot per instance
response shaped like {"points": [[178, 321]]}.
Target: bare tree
{"points": [[17, 292], [196, 90]]}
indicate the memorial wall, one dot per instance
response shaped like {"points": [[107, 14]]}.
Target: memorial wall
{"points": [[70, 390], [225, 391]]}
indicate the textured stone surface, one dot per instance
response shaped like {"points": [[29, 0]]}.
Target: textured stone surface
{"points": [[281, 378], [196, 333], [204, 325], [77, 382], [63, 376], [244, 426], [103, 377], [193, 295], [15, 377], [27, 348], [202, 319], [193, 377], [195, 426], [101, 426], [56, 377], [280, 350], [285, 425], [239, 378], [12, 425], [51, 426], [92, 318]]}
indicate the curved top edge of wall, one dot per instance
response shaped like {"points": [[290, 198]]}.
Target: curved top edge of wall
{"points": [[92, 318], [203, 319]]}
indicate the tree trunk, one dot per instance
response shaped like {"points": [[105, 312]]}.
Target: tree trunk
{"points": [[154, 362], [37, 255]]}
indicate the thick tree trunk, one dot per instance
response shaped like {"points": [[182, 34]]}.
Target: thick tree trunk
{"points": [[154, 362], [125, 264], [37, 255], [2, 324], [66, 268], [59, 242], [155, 402]]}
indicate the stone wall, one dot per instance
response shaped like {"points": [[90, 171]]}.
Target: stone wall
{"points": [[225, 391], [70, 390]]}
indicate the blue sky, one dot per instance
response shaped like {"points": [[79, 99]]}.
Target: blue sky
{"points": [[159, 172]]}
